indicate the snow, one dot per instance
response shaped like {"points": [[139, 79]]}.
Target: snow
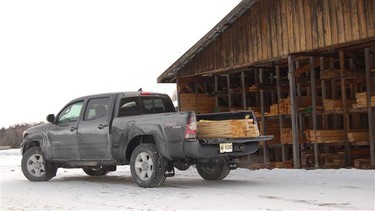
{"points": [[277, 189]]}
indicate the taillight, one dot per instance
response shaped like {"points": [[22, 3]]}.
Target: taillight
{"points": [[191, 126]]}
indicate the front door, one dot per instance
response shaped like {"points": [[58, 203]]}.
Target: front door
{"points": [[62, 135], [93, 131]]}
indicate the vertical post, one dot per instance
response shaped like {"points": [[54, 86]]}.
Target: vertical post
{"points": [[300, 119], [244, 90], [292, 85], [256, 77], [216, 91], [265, 147], [333, 92], [369, 108], [324, 94], [229, 92], [344, 105], [314, 116], [283, 150]]}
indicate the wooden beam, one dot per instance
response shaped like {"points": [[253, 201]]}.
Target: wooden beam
{"points": [[344, 105], [314, 116], [244, 90], [369, 109], [292, 87], [278, 86], [265, 145]]}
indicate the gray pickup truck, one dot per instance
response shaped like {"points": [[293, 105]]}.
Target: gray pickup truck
{"points": [[99, 132]]}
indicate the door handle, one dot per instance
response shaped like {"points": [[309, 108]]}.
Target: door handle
{"points": [[73, 128], [102, 126]]}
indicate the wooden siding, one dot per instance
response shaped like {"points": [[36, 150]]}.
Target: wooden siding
{"points": [[272, 29]]}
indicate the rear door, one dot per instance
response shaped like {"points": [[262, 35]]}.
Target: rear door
{"points": [[93, 130]]}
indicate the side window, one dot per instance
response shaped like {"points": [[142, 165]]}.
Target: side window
{"points": [[96, 108], [70, 113], [129, 107]]}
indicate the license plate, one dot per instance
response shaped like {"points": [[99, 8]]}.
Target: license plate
{"points": [[226, 147]]}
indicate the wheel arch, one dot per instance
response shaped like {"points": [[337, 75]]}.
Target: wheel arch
{"points": [[136, 141]]}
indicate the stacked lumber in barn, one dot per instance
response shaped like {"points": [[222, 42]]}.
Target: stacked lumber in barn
{"points": [[257, 110], [335, 105], [361, 100], [273, 128], [238, 128], [257, 166], [325, 136], [285, 165], [332, 160], [286, 136], [284, 106], [362, 164], [200, 103], [307, 160], [358, 136], [335, 73]]}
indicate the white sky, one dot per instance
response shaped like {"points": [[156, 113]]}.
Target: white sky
{"points": [[54, 51]]}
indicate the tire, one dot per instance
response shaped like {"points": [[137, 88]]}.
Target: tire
{"points": [[213, 171], [35, 167], [96, 171], [146, 166]]}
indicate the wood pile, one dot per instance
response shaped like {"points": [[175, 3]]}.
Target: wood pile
{"points": [[284, 165], [285, 105], [200, 103], [228, 129], [362, 164], [332, 160], [361, 100], [335, 73], [335, 105], [358, 136], [253, 88], [325, 136], [273, 128], [307, 160], [286, 136]]}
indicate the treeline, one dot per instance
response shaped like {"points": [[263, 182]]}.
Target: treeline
{"points": [[12, 136]]}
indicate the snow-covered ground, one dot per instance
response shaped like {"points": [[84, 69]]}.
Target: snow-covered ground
{"points": [[278, 189]]}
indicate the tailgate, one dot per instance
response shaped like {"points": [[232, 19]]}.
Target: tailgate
{"points": [[235, 140]]}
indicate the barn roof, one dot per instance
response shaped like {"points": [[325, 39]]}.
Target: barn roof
{"points": [[169, 75]]}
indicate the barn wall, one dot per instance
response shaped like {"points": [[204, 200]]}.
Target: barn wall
{"points": [[272, 29]]}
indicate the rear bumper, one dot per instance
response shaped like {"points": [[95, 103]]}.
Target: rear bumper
{"points": [[210, 148]]}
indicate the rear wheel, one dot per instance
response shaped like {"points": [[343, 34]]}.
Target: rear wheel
{"points": [[146, 166], [96, 171], [35, 167], [213, 171]]}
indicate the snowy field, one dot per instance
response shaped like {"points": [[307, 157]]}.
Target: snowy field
{"points": [[278, 189]]}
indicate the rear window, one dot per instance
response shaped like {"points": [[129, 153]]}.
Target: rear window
{"points": [[145, 105]]}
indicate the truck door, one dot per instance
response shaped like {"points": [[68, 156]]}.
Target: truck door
{"points": [[93, 130], [62, 135]]}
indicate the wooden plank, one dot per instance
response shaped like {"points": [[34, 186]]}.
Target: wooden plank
{"points": [[258, 32], [297, 26], [347, 20], [308, 24], [272, 21], [254, 35], [279, 31], [289, 16], [370, 17], [340, 21], [319, 18], [354, 19], [333, 22], [302, 32], [362, 19], [314, 24], [285, 28], [327, 23]]}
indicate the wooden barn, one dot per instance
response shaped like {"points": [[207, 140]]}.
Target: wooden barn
{"points": [[305, 67]]}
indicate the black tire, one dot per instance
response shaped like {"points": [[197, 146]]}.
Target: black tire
{"points": [[146, 166], [213, 171], [35, 167], [96, 171]]}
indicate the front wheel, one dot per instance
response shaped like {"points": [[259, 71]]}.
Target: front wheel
{"points": [[96, 171], [35, 167], [146, 166], [213, 171]]}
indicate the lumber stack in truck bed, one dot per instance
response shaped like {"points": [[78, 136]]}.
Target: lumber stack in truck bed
{"points": [[200, 103], [361, 100], [239, 128], [325, 136]]}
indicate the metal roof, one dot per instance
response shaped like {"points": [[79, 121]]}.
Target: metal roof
{"points": [[169, 75]]}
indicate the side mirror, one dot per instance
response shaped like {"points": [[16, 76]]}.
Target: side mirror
{"points": [[51, 118]]}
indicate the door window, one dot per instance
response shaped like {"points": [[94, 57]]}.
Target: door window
{"points": [[96, 108], [70, 113], [129, 107]]}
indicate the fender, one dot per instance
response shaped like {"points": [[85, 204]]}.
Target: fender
{"points": [[156, 132], [42, 140]]}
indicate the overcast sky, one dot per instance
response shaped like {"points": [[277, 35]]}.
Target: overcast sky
{"points": [[54, 51]]}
